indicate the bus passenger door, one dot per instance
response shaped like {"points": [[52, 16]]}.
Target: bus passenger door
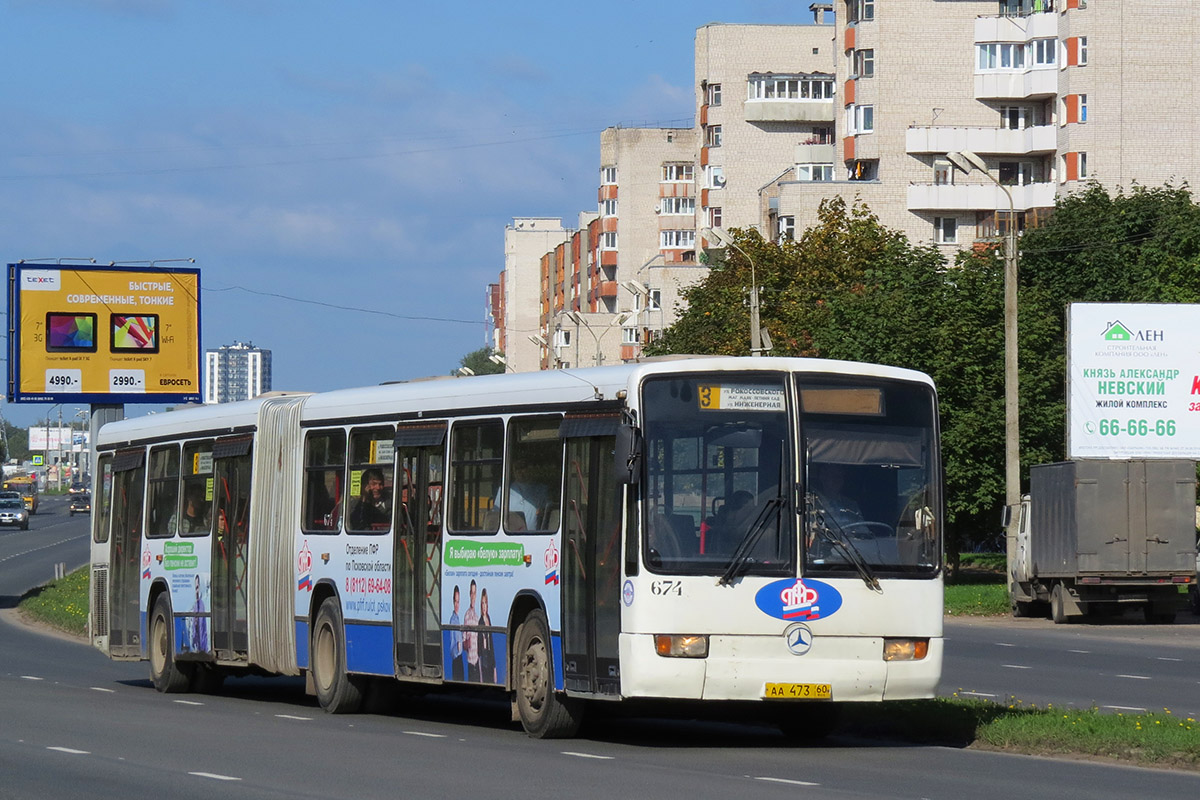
{"points": [[417, 562], [231, 468], [591, 560], [128, 488]]}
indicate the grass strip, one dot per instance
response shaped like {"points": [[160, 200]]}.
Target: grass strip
{"points": [[62, 604], [1157, 739], [977, 599]]}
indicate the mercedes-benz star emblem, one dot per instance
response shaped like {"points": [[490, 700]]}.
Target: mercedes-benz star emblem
{"points": [[799, 638]]}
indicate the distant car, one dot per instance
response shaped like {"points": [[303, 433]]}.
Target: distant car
{"points": [[81, 503], [9, 495], [13, 513], [78, 487]]}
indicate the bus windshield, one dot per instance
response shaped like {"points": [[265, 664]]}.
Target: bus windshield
{"points": [[718, 460], [870, 477]]}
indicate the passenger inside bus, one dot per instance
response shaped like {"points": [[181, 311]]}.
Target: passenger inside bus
{"points": [[372, 509], [195, 511]]}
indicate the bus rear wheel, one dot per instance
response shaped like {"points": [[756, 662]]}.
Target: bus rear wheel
{"points": [[337, 691], [169, 676], [544, 713]]}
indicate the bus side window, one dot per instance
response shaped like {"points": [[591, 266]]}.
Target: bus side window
{"points": [[324, 473], [476, 450], [102, 498], [533, 490], [164, 491]]}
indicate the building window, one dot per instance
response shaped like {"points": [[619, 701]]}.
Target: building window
{"points": [[714, 217], [1044, 51], [1082, 107], [861, 119], [675, 240], [1083, 172], [787, 228], [945, 230], [608, 208], [861, 10], [630, 336], [716, 177], [814, 172], [654, 300], [1016, 173], [608, 240], [864, 63], [712, 136], [789, 87], [821, 135], [943, 173], [1016, 118], [866, 170], [677, 205], [608, 176], [714, 94], [678, 173], [1082, 57]]}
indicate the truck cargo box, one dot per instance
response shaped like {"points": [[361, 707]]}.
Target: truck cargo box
{"points": [[1112, 519]]}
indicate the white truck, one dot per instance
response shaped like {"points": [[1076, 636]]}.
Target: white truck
{"points": [[1095, 536]]}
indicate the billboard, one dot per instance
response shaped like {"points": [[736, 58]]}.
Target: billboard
{"points": [[1133, 380], [103, 334]]}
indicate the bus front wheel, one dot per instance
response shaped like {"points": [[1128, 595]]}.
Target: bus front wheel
{"points": [[544, 713], [337, 691], [169, 676]]}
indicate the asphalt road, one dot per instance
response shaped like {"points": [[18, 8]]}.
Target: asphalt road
{"points": [[75, 724]]}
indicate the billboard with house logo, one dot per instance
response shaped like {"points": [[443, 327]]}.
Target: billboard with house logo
{"points": [[103, 334], [1133, 380]]}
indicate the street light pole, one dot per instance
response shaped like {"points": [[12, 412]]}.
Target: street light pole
{"points": [[967, 162], [756, 347]]}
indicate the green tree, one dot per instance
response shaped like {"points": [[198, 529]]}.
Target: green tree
{"points": [[479, 361]]}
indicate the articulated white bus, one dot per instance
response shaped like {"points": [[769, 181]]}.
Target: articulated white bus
{"points": [[706, 530]]}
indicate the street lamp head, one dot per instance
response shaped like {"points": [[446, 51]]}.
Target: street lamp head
{"points": [[465, 371], [718, 233], [574, 317], [537, 339], [637, 287], [966, 161]]}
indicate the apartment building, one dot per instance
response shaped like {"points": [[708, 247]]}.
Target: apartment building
{"points": [[1048, 93], [238, 371], [517, 302]]}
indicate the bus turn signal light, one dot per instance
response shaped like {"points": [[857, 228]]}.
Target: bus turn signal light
{"points": [[905, 649], [681, 645]]}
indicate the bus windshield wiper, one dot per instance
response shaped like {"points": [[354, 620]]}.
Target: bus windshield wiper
{"points": [[836, 535], [740, 561]]}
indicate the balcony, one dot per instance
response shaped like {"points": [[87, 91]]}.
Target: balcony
{"points": [[815, 153], [997, 141], [1030, 84], [790, 111], [978, 196], [1021, 25]]}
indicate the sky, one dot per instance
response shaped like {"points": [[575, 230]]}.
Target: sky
{"points": [[341, 172]]}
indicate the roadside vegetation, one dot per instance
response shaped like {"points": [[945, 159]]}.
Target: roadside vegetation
{"points": [[1160, 739]]}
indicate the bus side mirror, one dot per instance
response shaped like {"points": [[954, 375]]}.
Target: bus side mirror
{"points": [[1006, 517], [627, 455]]}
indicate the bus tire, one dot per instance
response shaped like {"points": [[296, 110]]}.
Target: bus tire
{"points": [[168, 675], [337, 691], [544, 713]]}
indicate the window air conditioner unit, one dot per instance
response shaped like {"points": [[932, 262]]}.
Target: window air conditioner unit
{"points": [[718, 181]]}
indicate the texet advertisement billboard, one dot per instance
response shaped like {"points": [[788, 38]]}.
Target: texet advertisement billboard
{"points": [[103, 334], [1133, 380]]}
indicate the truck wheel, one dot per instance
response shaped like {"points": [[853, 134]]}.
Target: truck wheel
{"points": [[1058, 611], [337, 692], [1194, 600], [544, 713], [1022, 608], [1157, 615], [168, 675]]}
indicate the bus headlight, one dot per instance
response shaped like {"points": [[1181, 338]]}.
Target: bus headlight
{"points": [[905, 649], [681, 645]]}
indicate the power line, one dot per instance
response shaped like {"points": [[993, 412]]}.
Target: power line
{"points": [[340, 307]]}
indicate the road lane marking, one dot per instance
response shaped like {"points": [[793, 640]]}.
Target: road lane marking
{"points": [[102, 689], [429, 735], [1124, 708], [70, 750], [43, 547], [1015, 666], [1160, 658], [1136, 677], [588, 755], [293, 716], [188, 702], [978, 694], [784, 780], [1004, 644], [31, 678], [1082, 652], [214, 776]]}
